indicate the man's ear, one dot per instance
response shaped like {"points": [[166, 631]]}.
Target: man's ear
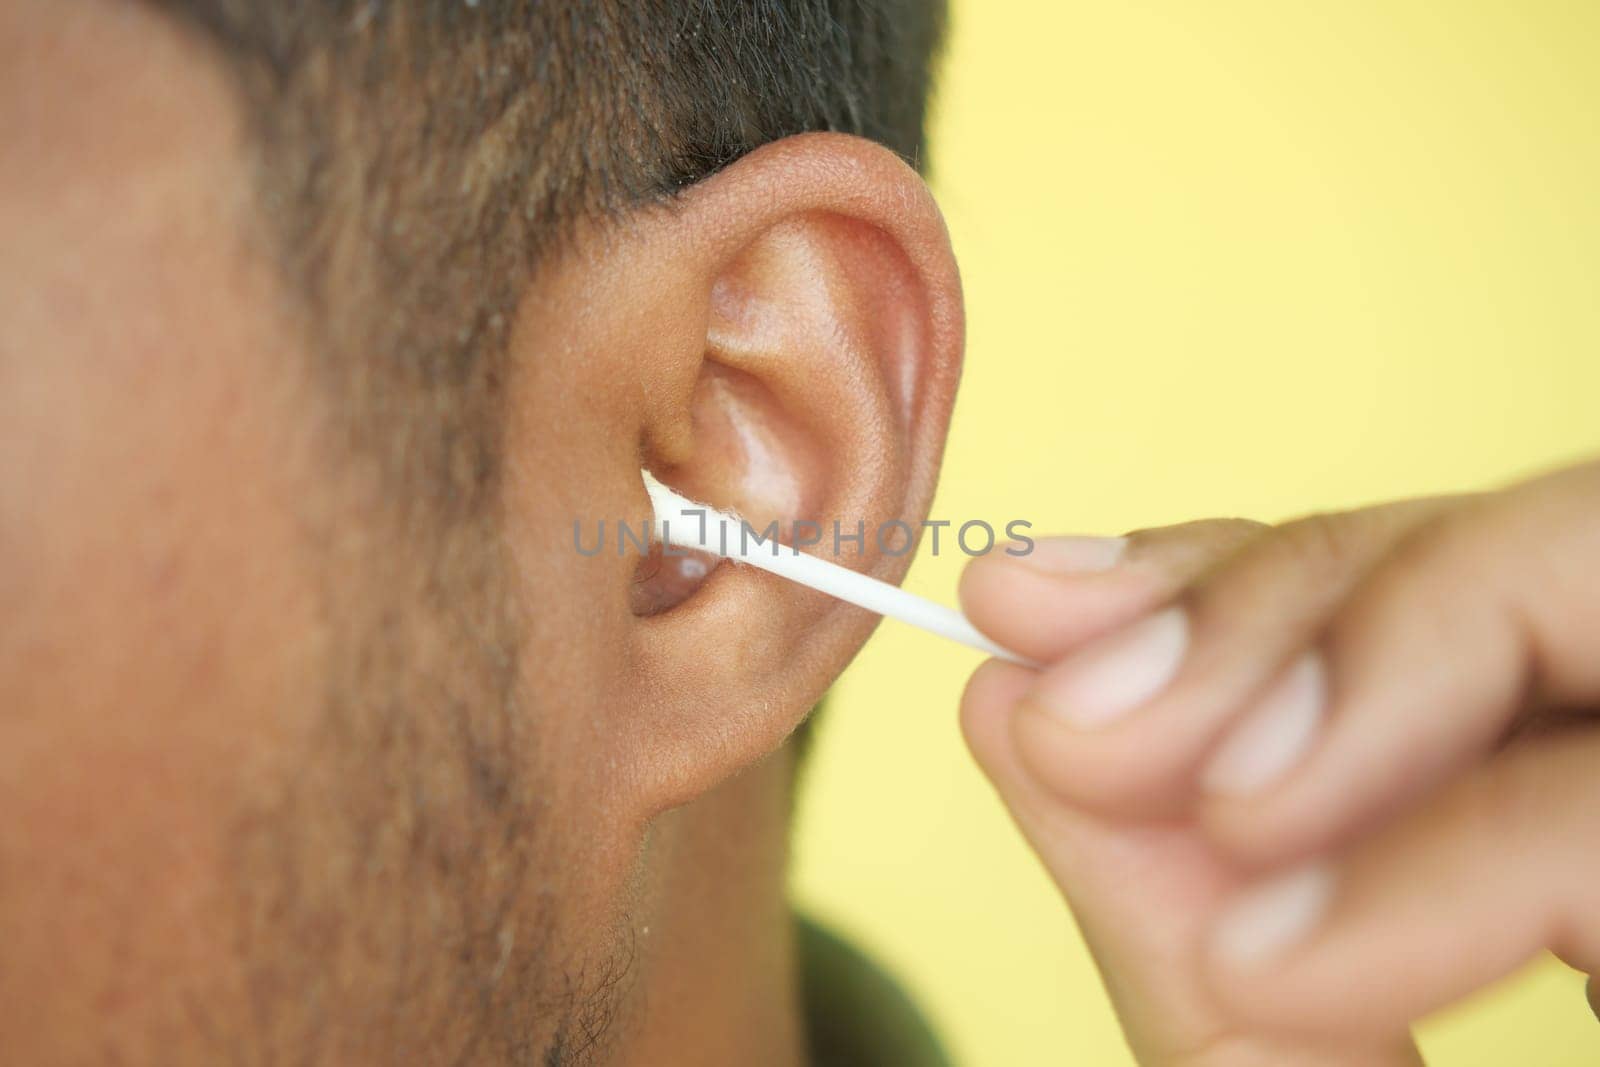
{"points": [[783, 341]]}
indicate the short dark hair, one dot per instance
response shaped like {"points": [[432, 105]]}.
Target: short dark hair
{"points": [[429, 151]]}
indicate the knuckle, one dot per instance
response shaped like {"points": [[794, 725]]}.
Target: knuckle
{"points": [[1322, 544], [1518, 798], [1447, 541], [1209, 534], [1190, 548], [1295, 571], [1319, 538]]}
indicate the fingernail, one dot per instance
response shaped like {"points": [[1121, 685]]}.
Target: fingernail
{"points": [[1273, 736], [1117, 673], [1070, 555], [1265, 921]]}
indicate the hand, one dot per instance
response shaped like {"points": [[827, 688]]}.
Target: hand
{"points": [[1304, 784]]}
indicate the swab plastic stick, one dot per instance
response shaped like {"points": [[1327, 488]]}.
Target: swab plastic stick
{"points": [[683, 522]]}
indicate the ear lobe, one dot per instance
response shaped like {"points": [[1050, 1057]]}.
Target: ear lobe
{"points": [[792, 328]]}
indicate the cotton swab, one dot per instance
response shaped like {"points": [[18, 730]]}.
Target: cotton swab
{"points": [[684, 523]]}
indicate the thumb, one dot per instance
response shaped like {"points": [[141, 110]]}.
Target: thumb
{"points": [[1144, 896]]}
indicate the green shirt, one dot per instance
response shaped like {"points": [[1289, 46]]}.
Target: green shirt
{"points": [[855, 1014]]}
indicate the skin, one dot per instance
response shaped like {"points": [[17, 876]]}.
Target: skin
{"points": [[189, 563], [238, 824], [1444, 798]]}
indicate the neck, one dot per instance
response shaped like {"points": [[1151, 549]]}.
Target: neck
{"points": [[718, 981]]}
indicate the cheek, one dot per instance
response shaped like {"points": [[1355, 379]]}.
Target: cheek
{"points": [[158, 640], [156, 650]]}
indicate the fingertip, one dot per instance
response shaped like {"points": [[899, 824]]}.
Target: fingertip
{"points": [[991, 693], [991, 587], [1263, 923], [1041, 613], [1019, 745], [1260, 957], [1270, 792], [1119, 774], [1269, 740], [1071, 555], [1322, 802]]}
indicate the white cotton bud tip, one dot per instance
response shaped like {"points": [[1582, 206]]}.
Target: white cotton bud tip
{"points": [[688, 523]]}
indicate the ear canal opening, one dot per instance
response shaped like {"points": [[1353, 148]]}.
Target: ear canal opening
{"points": [[663, 580]]}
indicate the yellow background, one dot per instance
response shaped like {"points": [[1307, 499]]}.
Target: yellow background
{"points": [[1221, 258]]}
